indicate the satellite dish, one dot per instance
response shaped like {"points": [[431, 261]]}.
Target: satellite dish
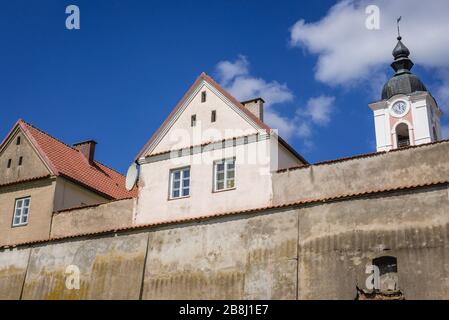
{"points": [[131, 176]]}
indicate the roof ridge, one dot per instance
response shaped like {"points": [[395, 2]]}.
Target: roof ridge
{"points": [[49, 135], [108, 167]]}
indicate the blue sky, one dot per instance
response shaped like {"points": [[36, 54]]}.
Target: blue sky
{"points": [[118, 77]]}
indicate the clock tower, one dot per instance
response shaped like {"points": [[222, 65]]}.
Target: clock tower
{"points": [[407, 114]]}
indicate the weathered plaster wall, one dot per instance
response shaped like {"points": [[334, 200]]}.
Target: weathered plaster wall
{"points": [[108, 216], [13, 267], [110, 268], [421, 165], [338, 240], [253, 256]]}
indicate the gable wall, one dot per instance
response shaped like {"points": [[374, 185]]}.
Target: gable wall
{"points": [[229, 124], [31, 167]]}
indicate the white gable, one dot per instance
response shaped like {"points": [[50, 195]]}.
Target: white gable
{"points": [[230, 122]]}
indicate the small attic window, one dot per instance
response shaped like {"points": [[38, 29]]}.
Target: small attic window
{"points": [[193, 121], [203, 96], [213, 116], [20, 161], [18, 141], [9, 163]]}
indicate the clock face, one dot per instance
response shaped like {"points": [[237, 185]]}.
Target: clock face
{"points": [[399, 108]]}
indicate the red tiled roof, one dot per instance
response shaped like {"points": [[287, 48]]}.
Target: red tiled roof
{"points": [[211, 81], [66, 161]]}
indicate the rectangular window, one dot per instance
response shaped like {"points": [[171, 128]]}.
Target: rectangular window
{"points": [[213, 116], [224, 174], [20, 161], [203, 96], [21, 211], [193, 120], [180, 183], [9, 163]]}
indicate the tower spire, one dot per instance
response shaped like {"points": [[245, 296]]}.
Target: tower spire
{"points": [[399, 30]]}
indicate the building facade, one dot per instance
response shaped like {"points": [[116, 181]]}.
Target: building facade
{"points": [[41, 175], [210, 224]]}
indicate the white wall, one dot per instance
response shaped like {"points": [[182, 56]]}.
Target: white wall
{"points": [[253, 184]]}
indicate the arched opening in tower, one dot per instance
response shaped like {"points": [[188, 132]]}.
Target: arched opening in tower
{"points": [[403, 135]]}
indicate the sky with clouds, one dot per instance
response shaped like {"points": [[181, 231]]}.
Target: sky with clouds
{"points": [[315, 64]]}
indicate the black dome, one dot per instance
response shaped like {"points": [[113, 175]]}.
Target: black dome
{"points": [[405, 83]]}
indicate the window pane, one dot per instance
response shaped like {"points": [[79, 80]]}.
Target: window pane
{"points": [[220, 167], [230, 184], [185, 192], [186, 183], [187, 173], [19, 203], [24, 219], [16, 220], [27, 202], [220, 185], [231, 174], [220, 176], [176, 184], [18, 212], [175, 193], [25, 211], [176, 175], [231, 165]]}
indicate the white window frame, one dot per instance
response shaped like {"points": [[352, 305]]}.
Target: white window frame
{"points": [[226, 172], [21, 212], [181, 189]]}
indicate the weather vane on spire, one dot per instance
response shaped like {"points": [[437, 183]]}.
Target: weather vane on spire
{"points": [[399, 30]]}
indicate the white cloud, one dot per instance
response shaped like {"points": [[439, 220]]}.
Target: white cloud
{"points": [[348, 52], [236, 78], [319, 109], [350, 55], [229, 70]]}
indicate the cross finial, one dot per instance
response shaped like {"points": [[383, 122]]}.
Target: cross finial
{"points": [[399, 30]]}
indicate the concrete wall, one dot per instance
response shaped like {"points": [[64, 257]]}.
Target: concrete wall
{"points": [[110, 268], [13, 267], [401, 168], [108, 216], [70, 195], [317, 251], [251, 257], [338, 240], [40, 213]]}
